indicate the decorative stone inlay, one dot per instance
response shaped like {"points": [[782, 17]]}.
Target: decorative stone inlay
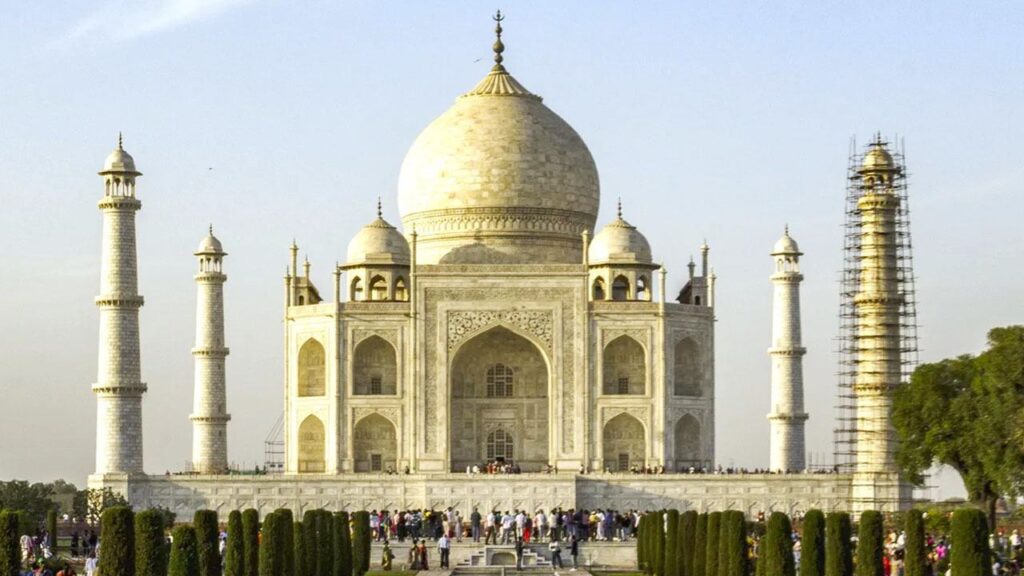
{"points": [[638, 412], [360, 334], [638, 334], [462, 323], [390, 413]]}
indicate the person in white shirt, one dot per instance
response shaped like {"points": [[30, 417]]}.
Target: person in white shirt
{"points": [[444, 547], [490, 534], [506, 527], [540, 525], [91, 565]]}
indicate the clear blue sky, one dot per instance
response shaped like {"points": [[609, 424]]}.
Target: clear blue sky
{"points": [[276, 119]]}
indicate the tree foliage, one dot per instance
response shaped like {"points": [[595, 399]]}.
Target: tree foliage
{"points": [[250, 542], [360, 542], [777, 546], [812, 544], [184, 552], [966, 413], [870, 544], [270, 547], [10, 552], [99, 500], [673, 544], [711, 552], [151, 551], [299, 537], [286, 527], [839, 554], [732, 550], [207, 541], [969, 555], [234, 552], [915, 556], [687, 539], [342, 545], [117, 533], [700, 545]]}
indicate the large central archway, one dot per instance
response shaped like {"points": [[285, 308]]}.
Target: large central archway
{"points": [[499, 404]]}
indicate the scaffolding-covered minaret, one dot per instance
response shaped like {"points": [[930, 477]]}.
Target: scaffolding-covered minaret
{"points": [[787, 417], [209, 408], [119, 387]]}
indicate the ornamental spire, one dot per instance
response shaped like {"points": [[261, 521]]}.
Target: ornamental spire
{"points": [[380, 211], [498, 47]]}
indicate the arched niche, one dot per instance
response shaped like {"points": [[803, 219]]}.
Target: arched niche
{"points": [[687, 376], [624, 367], [375, 444], [374, 368], [623, 443], [312, 369], [312, 446], [687, 442]]}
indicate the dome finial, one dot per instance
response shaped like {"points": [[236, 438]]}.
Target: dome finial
{"points": [[786, 229], [120, 141], [211, 229], [498, 46], [380, 211], [620, 208]]}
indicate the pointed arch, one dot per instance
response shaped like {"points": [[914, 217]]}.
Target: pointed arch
{"points": [[312, 369], [374, 367], [687, 377], [378, 289], [401, 291], [643, 288], [355, 292], [624, 443], [598, 291], [687, 443], [624, 367], [620, 288], [375, 444], [312, 446]]}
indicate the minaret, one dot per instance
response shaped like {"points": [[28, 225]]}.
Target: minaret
{"points": [[119, 386], [877, 312], [209, 414], [787, 416]]}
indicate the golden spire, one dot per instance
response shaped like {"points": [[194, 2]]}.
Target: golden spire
{"points": [[498, 46]]}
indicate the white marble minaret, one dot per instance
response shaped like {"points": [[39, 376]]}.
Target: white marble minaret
{"points": [[209, 412], [119, 386], [787, 416]]}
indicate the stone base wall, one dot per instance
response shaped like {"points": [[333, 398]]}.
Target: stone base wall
{"points": [[751, 493]]}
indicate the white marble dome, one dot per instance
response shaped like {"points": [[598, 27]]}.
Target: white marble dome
{"points": [[210, 244], [498, 178], [620, 242], [786, 245], [119, 161], [378, 242]]}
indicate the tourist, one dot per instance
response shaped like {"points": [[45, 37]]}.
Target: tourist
{"points": [[490, 528], [386, 556], [474, 524], [556, 553], [540, 525], [506, 527], [91, 565], [519, 554], [458, 526], [67, 570], [444, 547], [574, 551], [413, 555]]}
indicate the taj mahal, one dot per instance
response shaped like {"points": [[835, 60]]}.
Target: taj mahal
{"points": [[493, 321]]}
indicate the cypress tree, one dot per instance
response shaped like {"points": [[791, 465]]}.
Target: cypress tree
{"points": [[687, 534], [51, 529], [915, 556], [723, 543], [870, 544], [286, 526], [673, 545], [270, 547], [309, 535], [732, 555], [117, 532], [360, 542], [151, 552], [658, 534], [641, 544], [711, 551], [812, 544], [777, 546], [251, 542], [10, 549], [324, 544], [299, 537], [234, 553], [700, 545], [838, 555], [342, 545], [207, 533], [969, 555], [184, 552]]}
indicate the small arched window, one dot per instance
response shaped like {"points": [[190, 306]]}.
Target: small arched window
{"points": [[500, 445], [620, 288], [499, 381], [378, 289], [356, 291], [401, 292], [598, 291], [642, 293]]}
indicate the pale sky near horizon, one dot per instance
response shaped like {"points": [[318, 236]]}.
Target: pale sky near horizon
{"points": [[277, 119]]}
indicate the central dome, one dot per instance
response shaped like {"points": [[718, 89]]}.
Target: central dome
{"points": [[498, 178]]}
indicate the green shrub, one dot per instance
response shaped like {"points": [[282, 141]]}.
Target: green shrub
{"points": [[184, 552], [658, 543], [969, 555], [250, 542], [642, 560], [299, 538], [51, 529], [870, 544], [812, 544], [234, 552], [270, 547], [117, 532], [915, 555], [151, 551], [342, 545], [673, 544], [711, 551], [10, 549], [309, 536], [207, 533], [777, 546], [324, 544], [286, 527], [700, 545], [732, 555], [687, 539], [838, 553], [360, 542]]}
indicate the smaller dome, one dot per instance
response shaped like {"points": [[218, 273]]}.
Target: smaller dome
{"points": [[786, 245], [120, 161], [210, 245], [378, 242], [877, 158], [619, 241]]}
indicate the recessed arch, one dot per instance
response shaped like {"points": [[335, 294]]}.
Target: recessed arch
{"points": [[598, 291], [374, 367], [687, 442], [624, 443], [312, 444], [401, 291], [312, 369], [687, 377], [620, 288], [624, 367], [355, 292], [375, 444], [378, 289], [643, 288]]}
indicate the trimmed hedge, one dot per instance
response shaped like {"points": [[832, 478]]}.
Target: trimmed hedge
{"points": [[184, 552], [10, 549], [687, 535], [117, 532], [700, 545], [641, 544], [324, 544], [270, 547], [286, 528], [870, 544], [838, 554], [151, 551], [234, 552], [812, 544], [342, 545], [207, 534], [299, 538], [915, 555], [251, 542], [360, 542], [714, 528], [777, 546], [658, 543], [970, 553], [732, 550], [673, 544], [309, 536]]}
